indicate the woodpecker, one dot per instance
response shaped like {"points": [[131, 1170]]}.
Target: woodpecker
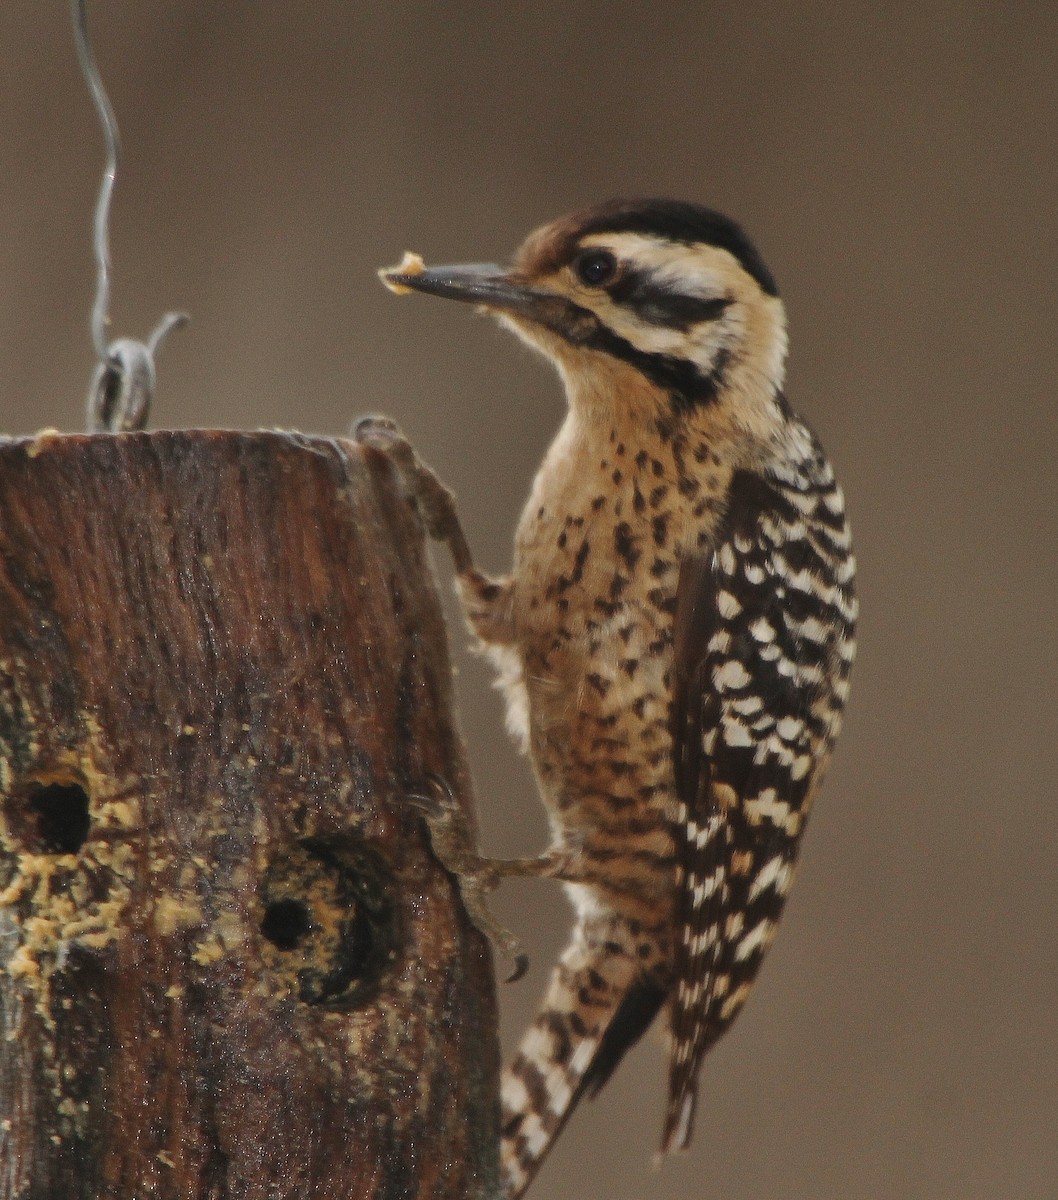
{"points": [[674, 640]]}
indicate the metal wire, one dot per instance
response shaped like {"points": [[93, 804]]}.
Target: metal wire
{"points": [[101, 308], [122, 389]]}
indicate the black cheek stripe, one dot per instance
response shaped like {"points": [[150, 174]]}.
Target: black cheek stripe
{"points": [[656, 303], [687, 386]]}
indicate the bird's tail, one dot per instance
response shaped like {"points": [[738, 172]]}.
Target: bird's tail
{"points": [[603, 995]]}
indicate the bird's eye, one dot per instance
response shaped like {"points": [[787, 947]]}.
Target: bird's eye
{"points": [[595, 268]]}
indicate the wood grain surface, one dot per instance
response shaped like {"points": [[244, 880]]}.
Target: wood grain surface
{"points": [[229, 963]]}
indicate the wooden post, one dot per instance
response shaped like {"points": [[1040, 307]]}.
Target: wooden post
{"points": [[230, 965]]}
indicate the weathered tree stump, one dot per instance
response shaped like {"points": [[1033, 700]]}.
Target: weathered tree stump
{"points": [[230, 965]]}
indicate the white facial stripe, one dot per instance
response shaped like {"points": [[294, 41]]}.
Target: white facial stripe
{"points": [[705, 272], [653, 339]]}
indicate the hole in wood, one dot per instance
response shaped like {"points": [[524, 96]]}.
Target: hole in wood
{"points": [[285, 923], [328, 921], [58, 820]]}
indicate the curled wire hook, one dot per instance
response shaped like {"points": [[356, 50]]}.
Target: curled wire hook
{"points": [[122, 387]]}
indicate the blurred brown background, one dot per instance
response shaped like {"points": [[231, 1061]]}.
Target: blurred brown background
{"points": [[897, 166]]}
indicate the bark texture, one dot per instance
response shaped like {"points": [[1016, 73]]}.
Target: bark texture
{"points": [[230, 965]]}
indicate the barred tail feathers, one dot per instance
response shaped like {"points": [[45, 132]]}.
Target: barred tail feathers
{"points": [[599, 1002]]}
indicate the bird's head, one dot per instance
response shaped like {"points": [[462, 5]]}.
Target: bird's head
{"points": [[655, 307]]}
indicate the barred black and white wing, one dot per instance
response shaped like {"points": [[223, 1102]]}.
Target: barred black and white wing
{"points": [[763, 644]]}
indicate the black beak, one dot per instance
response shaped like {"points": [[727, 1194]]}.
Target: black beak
{"points": [[474, 283]]}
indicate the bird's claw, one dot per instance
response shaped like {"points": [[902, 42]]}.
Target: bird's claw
{"points": [[435, 502], [454, 843]]}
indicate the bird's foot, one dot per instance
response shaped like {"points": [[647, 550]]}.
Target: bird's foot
{"points": [[454, 843], [435, 502]]}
